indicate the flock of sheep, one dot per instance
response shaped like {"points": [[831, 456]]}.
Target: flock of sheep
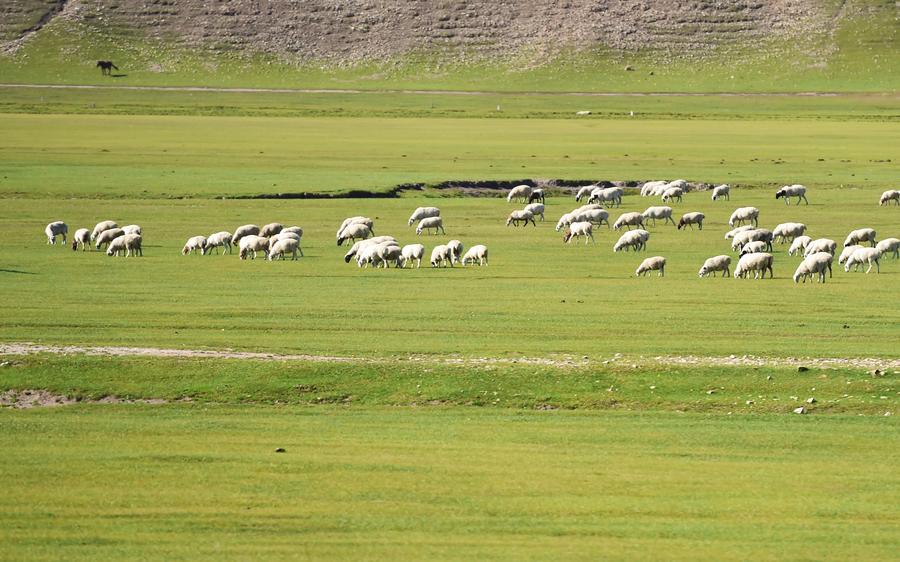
{"points": [[751, 243]]}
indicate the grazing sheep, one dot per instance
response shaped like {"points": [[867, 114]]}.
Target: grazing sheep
{"points": [[357, 247], [537, 195], [755, 235], [650, 264], [717, 263], [522, 192], [860, 235], [133, 245], [789, 191], [536, 209], [218, 240], [690, 219], [672, 193], [412, 252], [356, 220], [367, 254], [649, 187], [889, 246], [283, 246], [756, 247], [593, 216], [387, 252], [629, 220], [734, 231], [788, 231], [115, 246], [271, 229], [871, 256], [423, 213], [132, 229], [54, 229], [888, 196], [82, 236], [429, 223], [477, 253], [101, 226], [633, 239], [108, 236], [246, 230], [744, 214], [721, 192], [284, 236], [295, 229], [847, 252], [815, 264], [440, 255], [757, 263], [585, 192], [820, 245], [798, 246], [577, 229], [609, 194], [659, 213], [517, 217], [193, 244], [253, 243], [564, 221], [353, 232], [456, 248]]}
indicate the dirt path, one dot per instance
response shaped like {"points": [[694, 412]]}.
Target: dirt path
{"points": [[26, 348], [423, 92]]}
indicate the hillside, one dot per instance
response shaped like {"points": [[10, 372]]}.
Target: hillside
{"points": [[435, 43]]}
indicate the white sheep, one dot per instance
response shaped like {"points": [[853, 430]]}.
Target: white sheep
{"points": [[431, 222], [757, 263], [798, 246], [108, 236], [295, 229], [412, 252], [193, 244], [536, 209], [860, 235], [744, 214], [476, 254], [102, 226], [54, 229], [456, 250], [721, 192], [690, 219], [649, 187], [672, 193], [423, 213], [387, 252], [815, 264], [847, 252], [607, 194], [576, 229], [271, 229], [585, 192], [656, 263], [82, 236], [353, 220], [218, 240], [133, 229], [283, 246], [246, 230], [522, 217], [253, 243], [888, 196], [889, 246], [788, 231], [789, 191], [519, 192], [820, 245], [440, 255], [659, 213], [716, 263], [115, 246], [754, 235], [593, 216], [128, 244], [734, 231], [367, 255], [633, 239], [354, 231], [629, 220], [871, 256], [564, 221], [756, 247], [284, 236], [354, 250]]}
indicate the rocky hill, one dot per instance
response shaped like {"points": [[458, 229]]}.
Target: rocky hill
{"points": [[346, 31]]}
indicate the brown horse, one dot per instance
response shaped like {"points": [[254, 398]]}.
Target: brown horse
{"points": [[106, 67]]}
